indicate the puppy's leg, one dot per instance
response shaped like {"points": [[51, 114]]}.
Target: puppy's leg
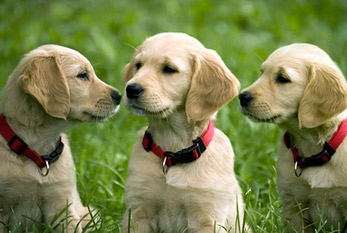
{"points": [[69, 219], [201, 224], [295, 214], [2, 220], [139, 221], [88, 217], [60, 210], [199, 218]]}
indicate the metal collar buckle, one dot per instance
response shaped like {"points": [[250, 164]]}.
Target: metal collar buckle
{"points": [[47, 169], [297, 174], [165, 167]]}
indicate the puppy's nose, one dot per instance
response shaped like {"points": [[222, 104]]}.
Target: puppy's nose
{"points": [[116, 97], [245, 98], [134, 91]]}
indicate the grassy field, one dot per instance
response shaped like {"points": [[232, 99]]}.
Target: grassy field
{"points": [[243, 32]]}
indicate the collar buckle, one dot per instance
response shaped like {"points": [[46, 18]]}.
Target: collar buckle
{"points": [[315, 160], [54, 156], [328, 150], [186, 155]]}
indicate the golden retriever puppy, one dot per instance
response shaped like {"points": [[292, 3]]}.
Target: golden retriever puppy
{"points": [[52, 89], [303, 91], [180, 175]]}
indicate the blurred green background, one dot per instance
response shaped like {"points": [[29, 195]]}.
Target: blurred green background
{"points": [[243, 32]]}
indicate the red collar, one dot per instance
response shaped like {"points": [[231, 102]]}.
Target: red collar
{"points": [[321, 158], [18, 146], [186, 155]]}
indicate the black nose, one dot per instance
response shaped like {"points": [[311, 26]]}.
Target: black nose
{"points": [[245, 98], [134, 91], [116, 97]]}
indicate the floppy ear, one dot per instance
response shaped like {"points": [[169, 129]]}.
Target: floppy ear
{"points": [[212, 86], [129, 69], [128, 72], [45, 81], [325, 96]]}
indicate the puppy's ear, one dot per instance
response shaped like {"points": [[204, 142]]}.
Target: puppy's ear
{"points": [[325, 96], [130, 69], [212, 86], [45, 81], [128, 72]]}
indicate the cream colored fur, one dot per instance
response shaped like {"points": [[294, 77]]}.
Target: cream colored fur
{"points": [[310, 107], [190, 197], [43, 98]]}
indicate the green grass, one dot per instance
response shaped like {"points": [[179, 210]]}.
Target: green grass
{"points": [[243, 32]]}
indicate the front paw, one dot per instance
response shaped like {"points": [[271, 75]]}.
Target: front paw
{"points": [[89, 219]]}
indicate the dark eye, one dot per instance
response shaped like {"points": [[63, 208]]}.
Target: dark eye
{"points": [[138, 65], [83, 76], [169, 70], [281, 79]]}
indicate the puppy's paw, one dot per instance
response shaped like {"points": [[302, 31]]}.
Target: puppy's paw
{"points": [[89, 219]]}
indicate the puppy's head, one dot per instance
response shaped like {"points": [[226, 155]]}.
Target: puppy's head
{"points": [[173, 71], [298, 81], [64, 83]]}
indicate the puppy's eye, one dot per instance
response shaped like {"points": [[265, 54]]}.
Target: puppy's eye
{"points": [[169, 70], [281, 79], [138, 65], [83, 75]]}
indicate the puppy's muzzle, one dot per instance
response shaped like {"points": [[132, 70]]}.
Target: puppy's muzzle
{"points": [[116, 97], [245, 98], [134, 91]]}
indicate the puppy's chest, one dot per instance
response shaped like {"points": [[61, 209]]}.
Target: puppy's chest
{"points": [[329, 196], [331, 203], [174, 209], [15, 193]]}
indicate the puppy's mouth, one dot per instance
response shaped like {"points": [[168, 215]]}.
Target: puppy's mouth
{"points": [[142, 111], [95, 116], [267, 119]]}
